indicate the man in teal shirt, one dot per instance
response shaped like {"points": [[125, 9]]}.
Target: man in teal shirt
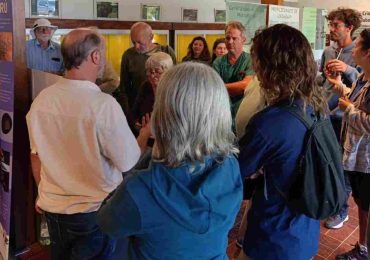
{"points": [[235, 67]]}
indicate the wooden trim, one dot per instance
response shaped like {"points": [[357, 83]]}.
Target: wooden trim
{"points": [[272, 2], [126, 25], [198, 26]]}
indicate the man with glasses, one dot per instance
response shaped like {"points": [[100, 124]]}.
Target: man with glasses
{"points": [[337, 58], [43, 53]]}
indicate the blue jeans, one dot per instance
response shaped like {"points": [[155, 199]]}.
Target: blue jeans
{"points": [[337, 124], [77, 236], [344, 210]]}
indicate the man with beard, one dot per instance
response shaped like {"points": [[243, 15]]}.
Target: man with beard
{"points": [[133, 73], [337, 58], [80, 145], [43, 53]]}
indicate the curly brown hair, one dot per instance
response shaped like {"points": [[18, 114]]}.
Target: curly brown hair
{"points": [[348, 16], [284, 64], [205, 55], [365, 35]]}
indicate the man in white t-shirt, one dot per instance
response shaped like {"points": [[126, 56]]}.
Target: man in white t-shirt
{"points": [[80, 145]]}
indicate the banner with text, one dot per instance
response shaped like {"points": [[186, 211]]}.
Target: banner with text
{"points": [[6, 117], [365, 24], [283, 14], [252, 16], [309, 25]]}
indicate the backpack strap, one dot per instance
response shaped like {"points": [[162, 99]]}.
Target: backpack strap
{"points": [[297, 112]]}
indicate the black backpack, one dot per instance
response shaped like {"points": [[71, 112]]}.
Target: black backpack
{"points": [[318, 190]]}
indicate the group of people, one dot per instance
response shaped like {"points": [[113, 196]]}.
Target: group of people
{"points": [[99, 182]]}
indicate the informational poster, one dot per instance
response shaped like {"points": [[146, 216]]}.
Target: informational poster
{"points": [[309, 19], [252, 16], [364, 24], [6, 118], [283, 14], [321, 29]]}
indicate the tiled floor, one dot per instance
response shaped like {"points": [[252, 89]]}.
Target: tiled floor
{"points": [[332, 242]]}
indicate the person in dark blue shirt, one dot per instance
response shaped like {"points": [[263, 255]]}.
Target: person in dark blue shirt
{"points": [[185, 203], [283, 62]]}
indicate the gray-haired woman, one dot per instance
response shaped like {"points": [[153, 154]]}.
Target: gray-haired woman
{"points": [[185, 203], [155, 66]]}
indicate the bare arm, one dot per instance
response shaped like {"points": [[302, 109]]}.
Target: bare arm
{"points": [[237, 88], [36, 167]]}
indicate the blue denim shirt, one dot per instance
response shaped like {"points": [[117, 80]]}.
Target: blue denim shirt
{"points": [[49, 60], [273, 141]]}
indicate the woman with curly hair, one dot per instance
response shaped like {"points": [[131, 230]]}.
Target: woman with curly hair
{"points": [[274, 138], [198, 51]]}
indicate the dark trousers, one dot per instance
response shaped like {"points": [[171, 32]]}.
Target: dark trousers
{"points": [[337, 124], [77, 236]]}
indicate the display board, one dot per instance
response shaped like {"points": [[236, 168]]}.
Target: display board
{"points": [[252, 16], [309, 25], [283, 14], [364, 24], [6, 117]]}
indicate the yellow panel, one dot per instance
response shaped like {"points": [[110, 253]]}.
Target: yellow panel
{"points": [[182, 43], [116, 46], [161, 39], [211, 38]]}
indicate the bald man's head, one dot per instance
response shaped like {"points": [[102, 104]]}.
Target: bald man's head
{"points": [[79, 44], [141, 37]]}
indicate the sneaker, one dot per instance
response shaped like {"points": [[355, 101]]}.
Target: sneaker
{"points": [[359, 252], [336, 221]]}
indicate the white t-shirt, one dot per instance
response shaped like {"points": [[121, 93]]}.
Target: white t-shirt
{"points": [[84, 143]]}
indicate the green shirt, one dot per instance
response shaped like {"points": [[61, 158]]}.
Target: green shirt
{"points": [[233, 72]]}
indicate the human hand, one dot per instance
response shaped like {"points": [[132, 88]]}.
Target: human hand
{"points": [[336, 65], [333, 78], [344, 103], [145, 126]]}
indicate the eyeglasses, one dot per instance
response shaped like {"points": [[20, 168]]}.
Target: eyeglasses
{"points": [[335, 25]]}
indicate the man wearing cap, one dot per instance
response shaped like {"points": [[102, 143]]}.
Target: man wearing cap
{"points": [[42, 53]]}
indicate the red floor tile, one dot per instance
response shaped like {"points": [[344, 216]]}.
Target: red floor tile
{"points": [[340, 250], [332, 242], [324, 251], [341, 234]]}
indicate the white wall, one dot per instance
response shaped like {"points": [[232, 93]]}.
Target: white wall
{"points": [[129, 10]]}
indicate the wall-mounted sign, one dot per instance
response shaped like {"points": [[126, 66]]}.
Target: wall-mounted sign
{"points": [[106, 9], [252, 16], [150, 12], [49, 8], [6, 118], [189, 15], [283, 14]]}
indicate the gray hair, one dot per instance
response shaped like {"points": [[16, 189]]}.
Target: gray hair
{"points": [[236, 25], [191, 116], [159, 60], [78, 44]]}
